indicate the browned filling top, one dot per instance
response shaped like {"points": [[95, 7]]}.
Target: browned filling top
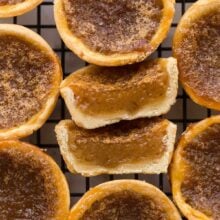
{"points": [[127, 205], [111, 26], [26, 75], [109, 90], [27, 187], [10, 2], [199, 56], [201, 186], [134, 141]]}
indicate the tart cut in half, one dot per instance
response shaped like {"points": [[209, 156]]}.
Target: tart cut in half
{"points": [[138, 146], [30, 76], [32, 186], [98, 96], [113, 33], [124, 199], [196, 46], [11, 8], [195, 171]]}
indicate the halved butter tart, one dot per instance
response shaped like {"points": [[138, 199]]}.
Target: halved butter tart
{"points": [[195, 171], [124, 200], [30, 75], [196, 46], [32, 185], [98, 96], [112, 32], [137, 146], [11, 8]]}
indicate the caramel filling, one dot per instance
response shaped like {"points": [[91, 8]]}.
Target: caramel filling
{"points": [[27, 187], [123, 143], [127, 205], [10, 2], [26, 77], [199, 56], [101, 91], [111, 26], [201, 186]]}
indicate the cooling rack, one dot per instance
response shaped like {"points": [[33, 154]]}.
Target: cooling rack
{"points": [[182, 113]]}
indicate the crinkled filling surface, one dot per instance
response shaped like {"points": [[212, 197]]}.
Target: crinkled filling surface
{"points": [[201, 185], [126, 89], [112, 26], [127, 205], [10, 2], [27, 186], [26, 75], [134, 141], [199, 56]]}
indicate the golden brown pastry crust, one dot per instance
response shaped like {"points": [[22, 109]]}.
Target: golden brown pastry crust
{"points": [[38, 119], [19, 8], [116, 59], [177, 168], [63, 202], [195, 12], [108, 188]]}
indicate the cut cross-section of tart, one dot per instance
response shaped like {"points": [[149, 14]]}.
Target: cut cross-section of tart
{"points": [[196, 46], [10, 8], [195, 171], [30, 75], [124, 199], [138, 146], [113, 33], [98, 96], [32, 185]]}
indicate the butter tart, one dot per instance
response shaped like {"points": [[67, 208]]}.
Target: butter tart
{"points": [[124, 199], [98, 96], [196, 46], [195, 171], [112, 32], [10, 8], [30, 75], [31, 184], [137, 146]]}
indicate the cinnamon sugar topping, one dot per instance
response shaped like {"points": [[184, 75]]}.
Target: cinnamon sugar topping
{"points": [[111, 26], [199, 56], [201, 186], [125, 205], [26, 76]]}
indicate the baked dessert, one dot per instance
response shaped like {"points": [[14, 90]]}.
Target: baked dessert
{"points": [[195, 172], [31, 184], [11, 8], [98, 96], [138, 146], [196, 46], [111, 32], [30, 75], [124, 199]]}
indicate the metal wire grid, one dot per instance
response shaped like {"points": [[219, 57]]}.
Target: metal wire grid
{"points": [[183, 113]]}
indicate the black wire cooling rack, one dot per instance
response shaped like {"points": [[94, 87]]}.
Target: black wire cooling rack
{"points": [[182, 113]]}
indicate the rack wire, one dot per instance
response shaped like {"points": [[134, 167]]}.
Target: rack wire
{"points": [[182, 113]]}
